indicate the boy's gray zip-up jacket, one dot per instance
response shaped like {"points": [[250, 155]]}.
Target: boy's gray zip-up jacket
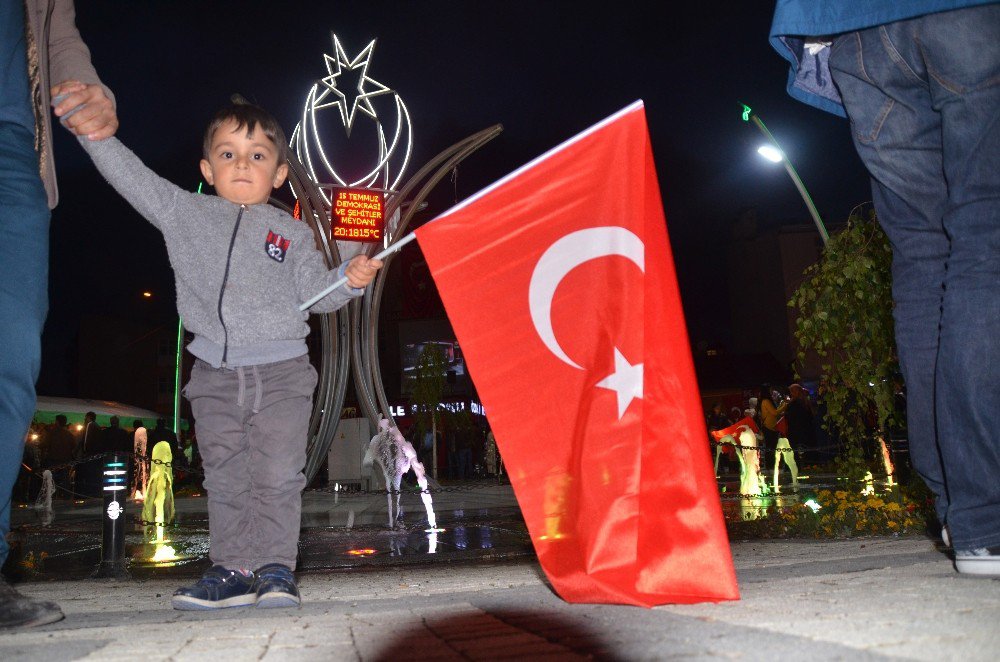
{"points": [[241, 271]]}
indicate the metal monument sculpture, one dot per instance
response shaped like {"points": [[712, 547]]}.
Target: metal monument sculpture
{"points": [[349, 337]]}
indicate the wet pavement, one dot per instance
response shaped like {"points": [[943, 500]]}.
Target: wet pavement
{"points": [[476, 520]]}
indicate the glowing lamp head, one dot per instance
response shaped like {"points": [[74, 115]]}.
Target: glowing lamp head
{"points": [[770, 153]]}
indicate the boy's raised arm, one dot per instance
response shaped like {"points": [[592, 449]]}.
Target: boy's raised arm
{"points": [[151, 195]]}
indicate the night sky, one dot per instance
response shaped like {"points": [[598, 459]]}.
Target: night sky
{"points": [[545, 70]]}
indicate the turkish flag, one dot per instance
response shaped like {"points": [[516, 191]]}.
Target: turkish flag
{"points": [[733, 429], [559, 282]]}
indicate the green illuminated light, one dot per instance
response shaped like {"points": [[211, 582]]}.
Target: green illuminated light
{"points": [[746, 112]]}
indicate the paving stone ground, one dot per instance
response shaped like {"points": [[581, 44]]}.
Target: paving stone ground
{"points": [[860, 599]]}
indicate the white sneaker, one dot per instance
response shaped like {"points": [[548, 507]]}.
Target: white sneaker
{"points": [[945, 536], [981, 561]]}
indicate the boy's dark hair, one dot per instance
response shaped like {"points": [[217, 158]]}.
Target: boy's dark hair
{"points": [[249, 116]]}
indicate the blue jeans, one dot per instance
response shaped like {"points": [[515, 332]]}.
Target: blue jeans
{"points": [[24, 272], [923, 97]]}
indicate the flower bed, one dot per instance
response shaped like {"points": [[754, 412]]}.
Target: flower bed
{"points": [[841, 514]]}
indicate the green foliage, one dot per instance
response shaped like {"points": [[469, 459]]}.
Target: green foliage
{"points": [[428, 386], [845, 318]]}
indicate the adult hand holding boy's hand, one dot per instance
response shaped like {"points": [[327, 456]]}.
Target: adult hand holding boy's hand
{"points": [[94, 115], [361, 271]]}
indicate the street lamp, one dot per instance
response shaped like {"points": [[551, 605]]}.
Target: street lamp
{"points": [[774, 153], [177, 366], [177, 377]]}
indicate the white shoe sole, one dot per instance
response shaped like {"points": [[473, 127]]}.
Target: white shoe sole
{"points": [[978, 565], [188, 603], [277, 600]]}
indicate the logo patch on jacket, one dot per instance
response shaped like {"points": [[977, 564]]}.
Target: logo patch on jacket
{"points": [[276, 246]]}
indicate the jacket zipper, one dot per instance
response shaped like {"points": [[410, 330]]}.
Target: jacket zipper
{"points": [[222, 290]]}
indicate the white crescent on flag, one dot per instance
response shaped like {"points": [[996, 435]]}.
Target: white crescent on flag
{"points": [[559, 259]]}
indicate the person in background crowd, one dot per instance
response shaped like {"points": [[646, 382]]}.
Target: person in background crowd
{"points": [[162, 433], [465, 438], [89, 435], [114, 439], [59, 449], [88, 474], [716, 420], [799, 416], [140, 462], [769, 415], [490, 454], [31, 463]]}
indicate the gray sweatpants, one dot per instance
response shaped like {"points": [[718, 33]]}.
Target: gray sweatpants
{"points": [[252, 424]]}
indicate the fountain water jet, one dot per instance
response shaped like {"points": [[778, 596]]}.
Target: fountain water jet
{"points": [[395, 455], [159, 504]]}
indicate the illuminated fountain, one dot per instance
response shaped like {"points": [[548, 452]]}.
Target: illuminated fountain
{"points": [[395, 455], [783, 451], [731, 441], [140, 466], [890, 471], [751, 481], [43, 502], [159, 504], [158, 508]]}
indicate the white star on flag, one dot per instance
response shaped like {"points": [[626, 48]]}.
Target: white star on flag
{"points": [[625, 381]]}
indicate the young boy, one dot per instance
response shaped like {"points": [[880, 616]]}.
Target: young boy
{"points": [[242, 268]]}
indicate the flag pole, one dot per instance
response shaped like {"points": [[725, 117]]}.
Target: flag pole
{"points": [[378, 256]]}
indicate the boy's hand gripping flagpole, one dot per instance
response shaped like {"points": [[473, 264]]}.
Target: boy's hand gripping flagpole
{"points": [[341, 281]]}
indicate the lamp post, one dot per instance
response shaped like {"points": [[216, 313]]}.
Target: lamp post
{"points": [[177, 377], [773, 152]]}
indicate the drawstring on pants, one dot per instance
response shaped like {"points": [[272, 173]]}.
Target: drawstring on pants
{"points": [[243, 386], [258, 388]]}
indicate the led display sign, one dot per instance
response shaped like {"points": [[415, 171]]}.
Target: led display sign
{"points": [[357, 215]]}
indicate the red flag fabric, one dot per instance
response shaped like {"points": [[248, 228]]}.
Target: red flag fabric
{"points": [[559, 283], [733, 429]]}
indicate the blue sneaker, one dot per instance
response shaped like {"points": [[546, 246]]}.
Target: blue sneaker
{"points": [[218, 588], [276, 587]]}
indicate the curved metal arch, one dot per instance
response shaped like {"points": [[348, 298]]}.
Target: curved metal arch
{"points": [[367, 316], [355, 327]]}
